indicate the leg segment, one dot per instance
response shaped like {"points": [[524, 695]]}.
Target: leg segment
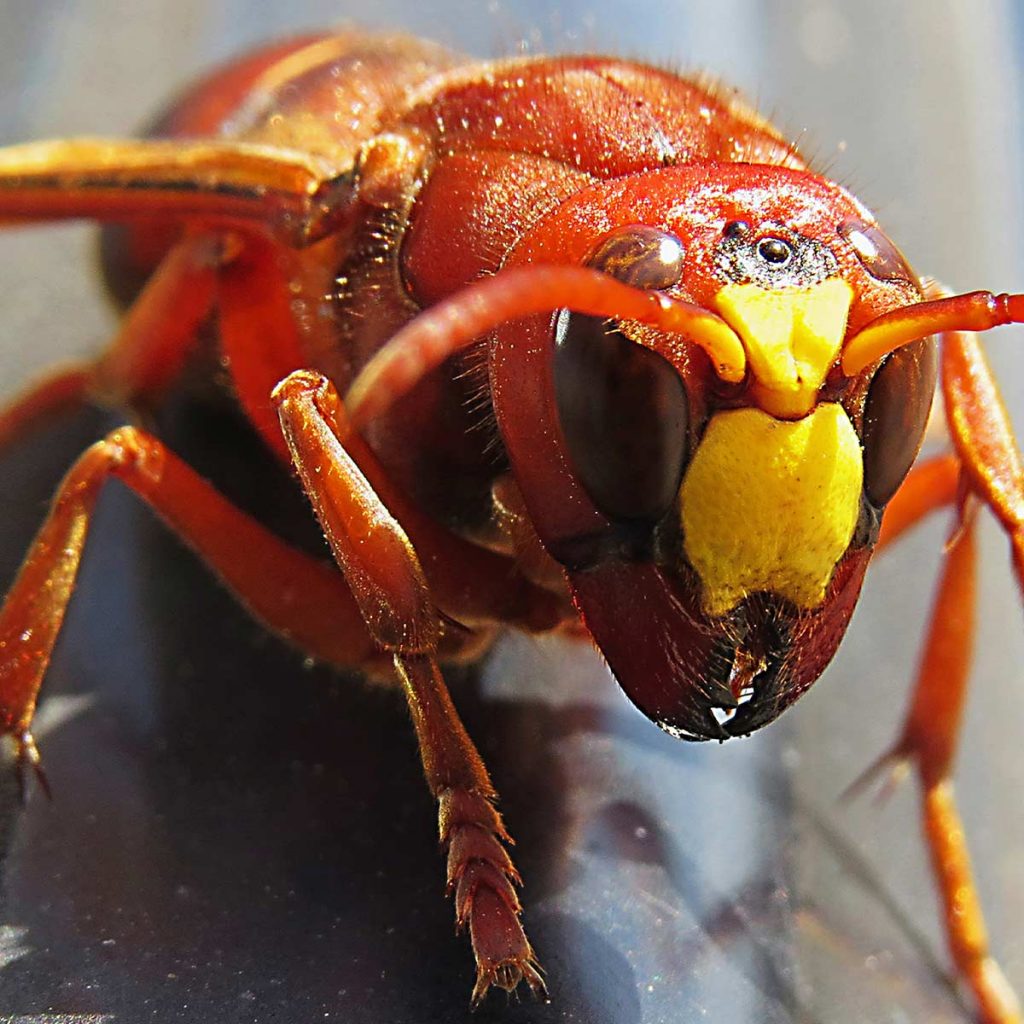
{"points": [[931, 485], [161, 327], [986, 467], [385, 575], [304, 600], [146, 355], [928, 740], [983, 437], [61, 389]]}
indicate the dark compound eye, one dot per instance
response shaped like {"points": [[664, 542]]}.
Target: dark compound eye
{"points": [[624, 413], [775, 251], [881, 259], [895, 416], [623, 409]]}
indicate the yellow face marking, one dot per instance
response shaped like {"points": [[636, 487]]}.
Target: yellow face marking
{"points": [[792, 337], [771, 504]]}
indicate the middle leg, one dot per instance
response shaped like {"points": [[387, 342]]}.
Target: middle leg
{"points": [[146, 355], [299, 597]]}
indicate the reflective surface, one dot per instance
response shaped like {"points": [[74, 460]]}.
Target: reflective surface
{"points": [[237, 837]]}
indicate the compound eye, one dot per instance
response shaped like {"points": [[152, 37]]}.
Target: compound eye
{"points": [[622, 407], [880, 258], [895, 416], [640, 256], [624, 414]]}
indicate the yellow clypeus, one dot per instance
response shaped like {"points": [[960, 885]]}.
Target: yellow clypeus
{"points": [[791, 337], [771, 505]]}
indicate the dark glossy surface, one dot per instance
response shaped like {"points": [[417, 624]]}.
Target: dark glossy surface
{"points": [[624, 414], [896, 416], [236, 837]]}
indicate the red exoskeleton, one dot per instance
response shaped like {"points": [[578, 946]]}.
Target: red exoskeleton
{"points": [[548, 343]]}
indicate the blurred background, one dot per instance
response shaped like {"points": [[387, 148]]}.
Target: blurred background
{"points": [[238, 837]]}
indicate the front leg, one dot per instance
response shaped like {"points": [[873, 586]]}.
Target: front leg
{"points": [[384, 573]]}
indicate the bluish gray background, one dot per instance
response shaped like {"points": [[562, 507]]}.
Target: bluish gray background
{"points": [[235, 837]]}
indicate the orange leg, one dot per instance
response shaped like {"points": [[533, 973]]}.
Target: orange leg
{"points": [[145, 356], [298, 597], [983, 437], [986, 467], [161, 327], [929, 738], [928, 741], [931, 485], [389, 585]]}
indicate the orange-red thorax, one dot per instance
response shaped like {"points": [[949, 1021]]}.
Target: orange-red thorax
{"points": [[501, 146]]}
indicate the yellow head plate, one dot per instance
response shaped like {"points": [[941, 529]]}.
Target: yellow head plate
{"points": [[792, 337], [771, 504]]}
